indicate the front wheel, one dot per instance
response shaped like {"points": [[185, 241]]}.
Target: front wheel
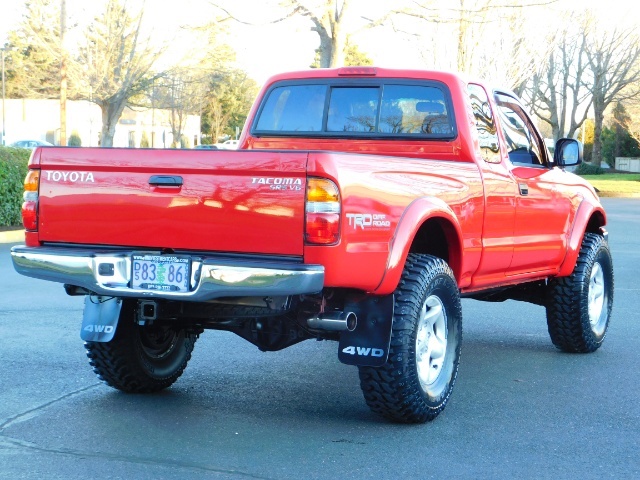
{"points": [[579, 306], [417, 380], [141, 359]]}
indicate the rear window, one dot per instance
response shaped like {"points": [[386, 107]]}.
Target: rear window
{"points": [[357, 110]]}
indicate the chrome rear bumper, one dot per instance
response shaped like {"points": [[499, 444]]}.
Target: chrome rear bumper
{"points": [[211, 277]]}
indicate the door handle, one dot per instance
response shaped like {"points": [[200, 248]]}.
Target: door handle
{"points": [[165, 181], [524, 188]]}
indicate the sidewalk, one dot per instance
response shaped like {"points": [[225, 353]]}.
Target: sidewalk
{"points": [[12, 236]]}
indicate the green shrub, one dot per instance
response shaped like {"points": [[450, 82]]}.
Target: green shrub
{"points": [[13, 169], [75, 140], [588, 169]]}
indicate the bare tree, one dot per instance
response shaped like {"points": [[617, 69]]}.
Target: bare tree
{"points": [[490, 38], [333, 20], [183, 93], [114, 64], [613, 57], [556, 93]]}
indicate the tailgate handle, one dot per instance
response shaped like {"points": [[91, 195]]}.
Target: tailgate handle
{"points": [[165, 181]]}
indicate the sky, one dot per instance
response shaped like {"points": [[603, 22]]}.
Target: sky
{"points": [[260, 50], [264, 49]]}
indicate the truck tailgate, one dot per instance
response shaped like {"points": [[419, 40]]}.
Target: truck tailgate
{"points": [[226, 201]]}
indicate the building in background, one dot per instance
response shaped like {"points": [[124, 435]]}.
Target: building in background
{"points": [[628, 164], [40, 120]]}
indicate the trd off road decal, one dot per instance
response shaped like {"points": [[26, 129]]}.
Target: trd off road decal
{"points": [[368, 221]]}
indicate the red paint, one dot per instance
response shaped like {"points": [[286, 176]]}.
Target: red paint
{"points": [[251, 202]]}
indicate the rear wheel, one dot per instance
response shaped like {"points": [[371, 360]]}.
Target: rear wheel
{"points": [[417, 380], [141, 359], [579, 306]]}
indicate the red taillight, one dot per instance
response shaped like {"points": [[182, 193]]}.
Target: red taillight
{"points": [[323, 228], [30, 203], [322, 212]]}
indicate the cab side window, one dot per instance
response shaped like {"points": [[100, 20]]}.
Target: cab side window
{"points": [[521, 141], [485, 123]]}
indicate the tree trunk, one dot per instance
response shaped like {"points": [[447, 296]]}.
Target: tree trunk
{"points": [[337, 52], [556, 127], [111, 113], [177, 126], [338, 43], [598, 109], [63, 75], [617, 150], [463, 27], [326, 49]]}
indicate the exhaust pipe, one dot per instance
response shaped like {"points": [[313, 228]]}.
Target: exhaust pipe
{"points": [[334, 321]]}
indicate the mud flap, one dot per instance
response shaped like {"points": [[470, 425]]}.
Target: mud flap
{"points": [[100, 318], [368, 344]]}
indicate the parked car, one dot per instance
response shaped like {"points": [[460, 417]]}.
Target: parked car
{"points": [[211, 147], [228, 145], [30, 144]]}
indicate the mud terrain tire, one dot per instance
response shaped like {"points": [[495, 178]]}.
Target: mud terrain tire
{"points": [[579, 306], [141, 359], [416, 382]]}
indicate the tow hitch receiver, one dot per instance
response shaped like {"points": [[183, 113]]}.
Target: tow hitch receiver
{"points": [[368, 343], [100, 318]]}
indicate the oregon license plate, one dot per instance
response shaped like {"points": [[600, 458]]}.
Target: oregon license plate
{"points": [[165, 273]]}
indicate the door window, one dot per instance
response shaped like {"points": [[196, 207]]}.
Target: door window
{"points": [[522, 143]]}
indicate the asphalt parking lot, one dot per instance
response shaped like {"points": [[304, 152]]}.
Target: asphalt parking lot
{"points": [[520, 409]]}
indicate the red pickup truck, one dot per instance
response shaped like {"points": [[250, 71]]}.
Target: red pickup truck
{"points": [[361, 205]]}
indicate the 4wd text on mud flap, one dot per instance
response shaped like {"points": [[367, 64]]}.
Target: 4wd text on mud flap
{"points": [[99, 328], [363, 351]]}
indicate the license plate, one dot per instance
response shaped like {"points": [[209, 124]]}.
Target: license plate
{"points": [[160, 272]]}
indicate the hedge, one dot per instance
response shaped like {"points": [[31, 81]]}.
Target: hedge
{"points": [[588, 169], [13, 170]]}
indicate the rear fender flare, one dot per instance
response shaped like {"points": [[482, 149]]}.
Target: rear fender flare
{"points": [[588, 218], [414, 216]]}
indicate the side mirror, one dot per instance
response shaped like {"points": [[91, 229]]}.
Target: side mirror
{"points": [[568, 152]]}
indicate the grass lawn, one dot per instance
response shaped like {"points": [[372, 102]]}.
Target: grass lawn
{"points": [[616, 184]]}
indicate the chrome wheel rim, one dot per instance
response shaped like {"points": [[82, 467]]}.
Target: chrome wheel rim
{"points": [[431, 341], [597, 296]]}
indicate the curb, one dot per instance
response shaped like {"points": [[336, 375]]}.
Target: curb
{"points": [[12, 236]]}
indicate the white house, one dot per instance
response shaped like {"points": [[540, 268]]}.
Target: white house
{"points": [[27, 119]]}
